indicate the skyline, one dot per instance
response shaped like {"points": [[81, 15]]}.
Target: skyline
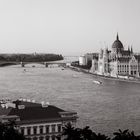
{"points": [[67, 27]]}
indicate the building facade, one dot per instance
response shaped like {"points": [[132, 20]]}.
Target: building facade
{"points": [[37, 121], [117, 62], [86, 58], [82, 61]]}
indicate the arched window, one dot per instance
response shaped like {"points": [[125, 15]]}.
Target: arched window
{"points": [[53, 128], [41, 129], [35, 130], [59, 127], [47, 128], [28, 131]]}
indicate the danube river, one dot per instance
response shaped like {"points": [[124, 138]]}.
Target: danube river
{"points": [[106, 107]]}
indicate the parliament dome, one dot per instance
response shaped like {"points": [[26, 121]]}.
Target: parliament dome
{"points": [[117, 44]]}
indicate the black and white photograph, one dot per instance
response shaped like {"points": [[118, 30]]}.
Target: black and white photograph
{"points": [[69, 69]]}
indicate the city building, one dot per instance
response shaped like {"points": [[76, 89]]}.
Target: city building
{"points": [[88, 57], [82, 60], [117, 62], [36, 121]]}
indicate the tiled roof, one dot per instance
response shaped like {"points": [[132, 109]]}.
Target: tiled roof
{"points": [[32, 111], [123, 59], [125, 52]]}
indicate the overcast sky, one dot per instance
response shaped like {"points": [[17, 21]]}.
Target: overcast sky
{"points": [[68, 27]]}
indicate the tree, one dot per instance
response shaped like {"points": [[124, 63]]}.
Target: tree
{"points": [[99, 136], [86, 133], [69, 132], [9, 131], [125, 135], [2, 130]]}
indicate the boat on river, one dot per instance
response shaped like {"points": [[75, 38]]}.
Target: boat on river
{"points": [[97, 82]]}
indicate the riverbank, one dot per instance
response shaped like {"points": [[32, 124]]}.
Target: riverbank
{"points": [[103, 76]]}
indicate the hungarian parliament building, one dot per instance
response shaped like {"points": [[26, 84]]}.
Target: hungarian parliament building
{"points": [[115, 62]]}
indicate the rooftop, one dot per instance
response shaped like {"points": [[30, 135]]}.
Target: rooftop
{"points": [[32, 111], [117, 43]]}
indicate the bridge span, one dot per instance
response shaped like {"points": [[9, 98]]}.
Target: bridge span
{"points": [[46, 64]]}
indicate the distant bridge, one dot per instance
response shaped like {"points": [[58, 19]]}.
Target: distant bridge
{"points": [[59, 63]]}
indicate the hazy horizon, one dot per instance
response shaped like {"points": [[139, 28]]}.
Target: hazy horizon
{"points": [[67, 27]]}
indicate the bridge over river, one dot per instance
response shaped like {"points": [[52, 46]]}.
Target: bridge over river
{"points": [[67, 60], [59, 63]]}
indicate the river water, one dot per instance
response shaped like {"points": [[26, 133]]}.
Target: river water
{"points": [[105, 108]]}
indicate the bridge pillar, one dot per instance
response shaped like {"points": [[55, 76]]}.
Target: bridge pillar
{"points": [[46, 64], [22, 64]]}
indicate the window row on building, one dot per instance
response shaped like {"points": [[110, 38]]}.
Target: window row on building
{"points": [[126, 66], [123, 66], [126, 72], [33, 130], [53, 137]]}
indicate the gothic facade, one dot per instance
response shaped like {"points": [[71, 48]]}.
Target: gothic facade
{"points": [[117, 61]]}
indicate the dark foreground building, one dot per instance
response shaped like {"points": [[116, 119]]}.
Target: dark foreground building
{"points": [[37, 121]]}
